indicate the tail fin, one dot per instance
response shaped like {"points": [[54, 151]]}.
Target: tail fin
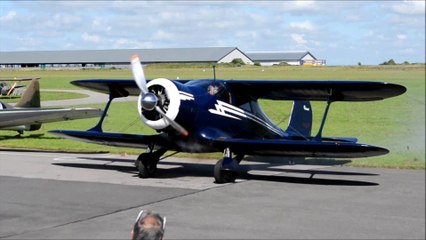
{"points": [[31, 96], [300, 123]]}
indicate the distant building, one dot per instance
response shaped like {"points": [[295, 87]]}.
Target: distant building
{"points": [[120, 57], [290, 58]]}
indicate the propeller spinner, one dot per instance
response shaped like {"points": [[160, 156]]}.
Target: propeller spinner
{"points": [[148, 100]]}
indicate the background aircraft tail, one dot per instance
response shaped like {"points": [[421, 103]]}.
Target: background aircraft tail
{"points": [[31, 96], [300, 123]]}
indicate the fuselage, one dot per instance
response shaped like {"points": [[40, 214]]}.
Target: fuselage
{"points": [[211, 112]]}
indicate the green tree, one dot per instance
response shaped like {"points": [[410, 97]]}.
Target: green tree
{"points": [[391, 62], [238, 61]]}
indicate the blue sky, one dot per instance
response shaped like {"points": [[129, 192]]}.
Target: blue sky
{"points": [[342, 32]]}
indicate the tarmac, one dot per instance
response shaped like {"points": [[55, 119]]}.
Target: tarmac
{"points": [[91, 97], [98, 196], [51, 195]]}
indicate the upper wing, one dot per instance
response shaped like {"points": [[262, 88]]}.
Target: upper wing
{"points": [[314, 90], [246, 90], [120, 87], [298, 148], [17, 117]]}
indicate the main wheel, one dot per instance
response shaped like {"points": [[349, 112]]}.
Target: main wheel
{"points": [[222, 175], [147, 165]]}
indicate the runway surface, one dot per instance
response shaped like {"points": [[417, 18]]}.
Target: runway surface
{"points": [[97, 196], [92, 98]]}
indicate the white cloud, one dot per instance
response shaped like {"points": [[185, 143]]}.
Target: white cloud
{"points": [[246, 34], [162, 35], [9, 16], [127, 43], [90, 38], [409, 7], [60, 21], [323, 27], [305, 25], [298, 38], [401, 36], [300, 5], [100, 25]]}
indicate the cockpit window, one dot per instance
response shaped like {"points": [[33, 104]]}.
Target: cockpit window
{"points": [[213, 90], [220, 92]]}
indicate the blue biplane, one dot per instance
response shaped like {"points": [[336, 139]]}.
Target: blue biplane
{"points": [[199, 116]]}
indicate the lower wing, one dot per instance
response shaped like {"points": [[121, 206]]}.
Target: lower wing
{"points": [[110, 139], [302, 148]]}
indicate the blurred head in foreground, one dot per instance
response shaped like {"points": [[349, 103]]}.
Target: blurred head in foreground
{"points": [[148, 226]]}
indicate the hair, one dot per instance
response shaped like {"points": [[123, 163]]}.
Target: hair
{"points": [[140, 232], [150, 233]]}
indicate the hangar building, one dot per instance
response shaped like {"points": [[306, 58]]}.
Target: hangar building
{"points": [[120, 57], [291, 58]]}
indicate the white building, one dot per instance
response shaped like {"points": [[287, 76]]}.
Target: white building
{"points": [[291, 58], [120, 57]]}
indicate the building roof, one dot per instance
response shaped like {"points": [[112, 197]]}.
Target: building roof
{"points": [[210, 54], [277, 56]]}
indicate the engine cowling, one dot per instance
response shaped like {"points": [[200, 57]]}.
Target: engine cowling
{"points": [[168, 100]]}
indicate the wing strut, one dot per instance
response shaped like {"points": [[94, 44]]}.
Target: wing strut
{"points": [[113, 93], [318, 137]]}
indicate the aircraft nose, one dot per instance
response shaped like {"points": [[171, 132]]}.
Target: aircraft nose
{"points": [[149, 101]]}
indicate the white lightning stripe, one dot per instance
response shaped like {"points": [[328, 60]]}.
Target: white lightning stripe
{"points": [[230, 111], [221, 109], [185, 96]]}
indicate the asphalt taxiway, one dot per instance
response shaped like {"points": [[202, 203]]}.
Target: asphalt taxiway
{"points": [[97, 196]]}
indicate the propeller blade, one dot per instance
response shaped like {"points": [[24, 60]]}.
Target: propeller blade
{"points": [[174, 124], [138, 74]]}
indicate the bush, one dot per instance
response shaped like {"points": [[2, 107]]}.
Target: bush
{"points": [[238, 61], [390, 62]]}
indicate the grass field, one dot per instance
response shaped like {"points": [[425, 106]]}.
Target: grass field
{"points": [[397, 123]]}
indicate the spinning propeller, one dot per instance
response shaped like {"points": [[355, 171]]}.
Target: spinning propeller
{"points": [[149, 100]]}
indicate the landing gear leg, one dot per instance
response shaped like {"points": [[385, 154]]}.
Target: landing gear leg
{"points": [[20, 132], [147, 162], [225, 170]]}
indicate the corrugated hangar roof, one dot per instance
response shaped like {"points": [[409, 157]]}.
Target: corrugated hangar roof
{"points": [[277, 56], [210, 54]]}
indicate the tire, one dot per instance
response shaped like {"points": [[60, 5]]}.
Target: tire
{"points": [[147, 167], [223, 176]]}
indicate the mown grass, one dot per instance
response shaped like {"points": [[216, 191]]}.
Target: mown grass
{"points": [[397, 123]]}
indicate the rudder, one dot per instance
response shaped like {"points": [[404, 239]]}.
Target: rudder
{"points": [[300, 123], [31, 97]]}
